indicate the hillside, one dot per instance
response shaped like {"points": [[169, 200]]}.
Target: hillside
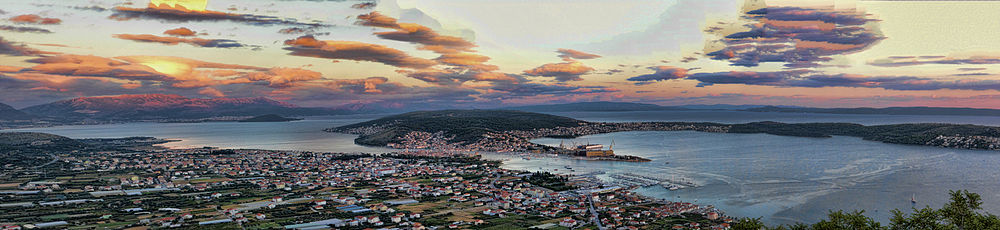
{"points": [[601, 106], [886, 111], [513, 128], [9, 113], [463, 125], [160, 106], [24, 149]]}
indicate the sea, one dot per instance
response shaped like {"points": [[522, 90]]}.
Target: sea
{"points": [[782, 180]]}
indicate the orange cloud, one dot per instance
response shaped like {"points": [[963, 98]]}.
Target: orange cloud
{"points": [[211, 92], [468, 60], [377, 19], [566, 71], [284, 77], [415, 33], [308, 46], [183, 31], [34, 19]]}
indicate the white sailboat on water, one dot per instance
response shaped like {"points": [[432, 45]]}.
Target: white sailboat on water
{"points": [[913, 198]]}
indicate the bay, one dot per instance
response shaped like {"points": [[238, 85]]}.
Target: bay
{"points": [[782, 179]]}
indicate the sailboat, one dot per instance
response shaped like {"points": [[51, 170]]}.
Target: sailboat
{"points": [[913, 199]]}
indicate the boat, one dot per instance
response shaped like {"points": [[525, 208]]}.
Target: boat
{"points": [[913, 199], [666, 163], [567, 167]]}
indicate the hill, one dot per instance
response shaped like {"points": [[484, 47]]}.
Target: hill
{"points": [[462, 125], [269, 118], [9, 113], [511, 129], [160, 106], [601, 106], [886, 111], [26, 149]]}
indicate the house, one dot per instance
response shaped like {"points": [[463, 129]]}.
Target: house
{"points": [[568, 222], [712, 215]]}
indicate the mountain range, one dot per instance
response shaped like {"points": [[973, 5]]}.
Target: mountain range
{"points": [[162, 106], [9, 113], [174, 107], [600, 106], [885, 111]]}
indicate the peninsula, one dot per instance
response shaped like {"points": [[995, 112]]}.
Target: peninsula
{"points": [[511, 131]]}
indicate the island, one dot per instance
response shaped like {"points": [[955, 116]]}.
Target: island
{"points": [[512, 131], [269, 118]]}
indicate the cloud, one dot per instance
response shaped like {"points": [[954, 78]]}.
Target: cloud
{"points": [[179, 13], [170, 71], [301, 30], [575, 54], [183, 31], [284, 77], [509, 91], [308, 46], [209, 43], [662, 73], [415, 33], [211, 92], [899, 61], [566, 71], [34, 19], [378, 90], [13, 49], [457, 77], [811, 79], [364, 5], [24, 29], [469, 61], [799, 37], [376, 19], [79, 65]]}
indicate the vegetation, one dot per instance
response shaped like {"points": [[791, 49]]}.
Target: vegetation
{"points": [[549, 181], [471, 125], [462, 125], [963, 212], [916, 134], [24, 149]]}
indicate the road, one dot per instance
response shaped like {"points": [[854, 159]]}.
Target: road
{"points": [[596, 219]]}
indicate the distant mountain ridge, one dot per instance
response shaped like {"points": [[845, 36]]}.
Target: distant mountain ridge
{"points": [[9, 113], [885, 111], [607, 106], [599, 106], [163, 106]]}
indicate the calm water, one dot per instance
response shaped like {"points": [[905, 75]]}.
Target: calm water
{"points": [[305, 135], [791, 179], [783, 179]]}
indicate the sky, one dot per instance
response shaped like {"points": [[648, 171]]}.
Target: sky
{"points": [[495, 53]]}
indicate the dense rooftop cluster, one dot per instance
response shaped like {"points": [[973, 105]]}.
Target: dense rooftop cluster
{"points": [[260, 189]]}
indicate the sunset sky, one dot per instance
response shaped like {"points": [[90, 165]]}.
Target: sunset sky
{"points": [[493, 53]]}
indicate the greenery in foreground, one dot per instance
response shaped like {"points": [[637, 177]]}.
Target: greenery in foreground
{"points": [[963, 212]]}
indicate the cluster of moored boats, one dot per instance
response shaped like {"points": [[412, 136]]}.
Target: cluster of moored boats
{"points": [[645, 181]]}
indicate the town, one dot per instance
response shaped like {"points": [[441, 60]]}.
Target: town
{"points": [[520, 141], [207, 188]]}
